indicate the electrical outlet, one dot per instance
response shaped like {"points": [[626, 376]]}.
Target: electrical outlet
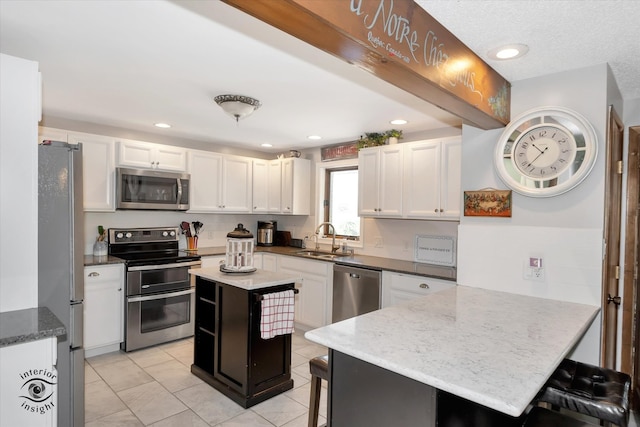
{"points": [[533, 269], [210, 235], [405, 246], [379, 243]]}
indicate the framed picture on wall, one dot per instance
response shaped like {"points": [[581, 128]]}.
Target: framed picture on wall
{"points": [[487, 202]]}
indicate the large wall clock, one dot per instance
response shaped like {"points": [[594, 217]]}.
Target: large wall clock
{"points": [[545, 152]]}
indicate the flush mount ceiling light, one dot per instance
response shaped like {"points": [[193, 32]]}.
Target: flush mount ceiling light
{"points": [[398, 122], [237, 106], [511, 51], [162, 125], [314, 137]]}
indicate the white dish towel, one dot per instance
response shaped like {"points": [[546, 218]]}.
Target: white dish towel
{"points": [[277, 314]]}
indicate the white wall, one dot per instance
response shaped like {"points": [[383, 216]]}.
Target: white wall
{"points": [[19, 115], [566, 230]]}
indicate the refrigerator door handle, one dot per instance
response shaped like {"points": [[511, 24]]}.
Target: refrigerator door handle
{"points": [[76, 336]]}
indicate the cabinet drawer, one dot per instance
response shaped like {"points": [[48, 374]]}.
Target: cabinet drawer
{"points": [[94, 274], [319, 268], [418, 284]]}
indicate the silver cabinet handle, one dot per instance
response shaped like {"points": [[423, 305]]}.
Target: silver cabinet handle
{"points": [[424, 286], [94, 274]]}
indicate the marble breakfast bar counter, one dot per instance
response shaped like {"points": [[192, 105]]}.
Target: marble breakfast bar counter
{"points": [[491, 348]]}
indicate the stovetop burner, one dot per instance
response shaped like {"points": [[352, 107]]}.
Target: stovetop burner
{"points": [[148, 246]]}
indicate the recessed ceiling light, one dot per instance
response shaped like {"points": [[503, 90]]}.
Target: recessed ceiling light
{"points": [[398, 122], [511, 51], [266, 145], [162, 125], [314, 137]]}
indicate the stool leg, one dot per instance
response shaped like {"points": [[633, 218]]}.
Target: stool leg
{"points": [[314, 401]]}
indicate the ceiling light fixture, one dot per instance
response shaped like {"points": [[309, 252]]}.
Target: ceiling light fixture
{"points": [[266, 145], [314, 137], [398, 122], [162, 125], [237, 106], [511, 51]]}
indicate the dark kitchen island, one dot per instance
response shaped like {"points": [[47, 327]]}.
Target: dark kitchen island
{"points": [[229, 353]]}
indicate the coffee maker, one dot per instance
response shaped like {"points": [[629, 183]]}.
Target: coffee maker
{"points": [[266, 232]]}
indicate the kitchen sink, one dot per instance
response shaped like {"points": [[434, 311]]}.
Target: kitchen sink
{"points": [[318, 254]]}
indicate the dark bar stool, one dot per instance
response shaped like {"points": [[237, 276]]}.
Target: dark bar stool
{"points": [[590, 390], [541, 417], [319, 368]]}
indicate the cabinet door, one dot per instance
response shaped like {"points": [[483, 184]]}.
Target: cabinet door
{"points": [[260, 186], [390, 181], [312, 299], [21, 365], [422, 180], [135, 154], [98, 169], [450, 186], [287, 186], [269, 262], [368, 174], [398, 288], [236, 182], [103, 306], [170, 158], [212, 261], [205, 169], [275, 187]]}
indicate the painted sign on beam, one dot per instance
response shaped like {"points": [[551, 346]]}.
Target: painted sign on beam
{"points": [[399, 42]]}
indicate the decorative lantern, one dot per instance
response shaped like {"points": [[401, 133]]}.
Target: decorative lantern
{"points": [[239, 256]]}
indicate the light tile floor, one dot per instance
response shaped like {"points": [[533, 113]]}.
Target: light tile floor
{"points": [[154, 387]]}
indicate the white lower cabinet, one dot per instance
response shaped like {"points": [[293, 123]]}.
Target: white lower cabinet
{"points": [[270, 262], [398, 287], [29, 388], [103, 308], [312, 308]]}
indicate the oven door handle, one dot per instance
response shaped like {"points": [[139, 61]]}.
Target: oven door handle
{"points": [[164, 266], [161, 296]]}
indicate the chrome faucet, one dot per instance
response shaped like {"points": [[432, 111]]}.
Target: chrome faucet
{"points": [[334, 247]]}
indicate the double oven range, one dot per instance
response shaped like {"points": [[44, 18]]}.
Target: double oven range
{"points": [[160, 294]]}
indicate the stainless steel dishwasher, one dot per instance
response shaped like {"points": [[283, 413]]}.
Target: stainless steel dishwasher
{"points": [[356, 291]]}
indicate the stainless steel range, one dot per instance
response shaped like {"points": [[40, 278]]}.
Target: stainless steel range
{"points": [[160, 295]]}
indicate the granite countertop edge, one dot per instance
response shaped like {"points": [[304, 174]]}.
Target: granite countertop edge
{"points": [[30, 324], [365, 261]]}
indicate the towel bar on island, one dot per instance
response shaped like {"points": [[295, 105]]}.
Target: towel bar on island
{"points": [[259, 297]]}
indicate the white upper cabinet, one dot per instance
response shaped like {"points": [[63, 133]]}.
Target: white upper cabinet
{"points": [[295, 186], [380, 181], [274, 196], [432, 179], [412, 180], [282, 186], [220, 183], [98, 166], [205, 169], [237, 194], [138, 154], [260, 186]]}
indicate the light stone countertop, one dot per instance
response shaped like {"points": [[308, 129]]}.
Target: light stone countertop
{"points": [[30, 324], [259, 279], [493, 348]]}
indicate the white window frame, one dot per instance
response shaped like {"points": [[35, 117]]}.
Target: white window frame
{"points": [[321, 170]]}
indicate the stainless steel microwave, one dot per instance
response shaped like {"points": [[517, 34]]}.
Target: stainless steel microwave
{"points": [[152, 190]]}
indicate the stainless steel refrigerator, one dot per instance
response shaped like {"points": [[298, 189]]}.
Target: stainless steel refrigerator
{"points": [[61, 266]]}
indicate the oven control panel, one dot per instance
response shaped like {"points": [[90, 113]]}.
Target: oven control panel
{"points": [[143, 235]]}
